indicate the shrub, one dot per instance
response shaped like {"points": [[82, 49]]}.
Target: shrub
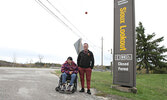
{"points": [[160, 71]]}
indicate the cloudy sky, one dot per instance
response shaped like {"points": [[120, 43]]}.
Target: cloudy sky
{"points": [[28, 30]]}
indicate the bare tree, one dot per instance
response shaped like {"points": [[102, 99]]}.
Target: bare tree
{"points": [[40, 58], [30, 63], [14, 60]]}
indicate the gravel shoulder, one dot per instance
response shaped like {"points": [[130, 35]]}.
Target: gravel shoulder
{"points": [[34, 84]]}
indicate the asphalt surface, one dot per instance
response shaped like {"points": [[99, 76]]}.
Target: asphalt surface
{"points": [[34, 84]]}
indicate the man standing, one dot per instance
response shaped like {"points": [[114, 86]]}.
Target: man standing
{"points": [[85, 63]]}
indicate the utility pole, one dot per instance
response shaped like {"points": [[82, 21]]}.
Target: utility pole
{"points": [[101, 51], [111, 64]]}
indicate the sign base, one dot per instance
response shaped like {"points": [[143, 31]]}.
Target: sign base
{"points": [[125, 88]]}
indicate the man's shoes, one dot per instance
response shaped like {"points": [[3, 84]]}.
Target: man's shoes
{"points": [[88, 91], [82, 90], [69, 88], [63, 88]]}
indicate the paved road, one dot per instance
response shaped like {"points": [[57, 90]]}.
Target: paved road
{"points": [[33, 84]]}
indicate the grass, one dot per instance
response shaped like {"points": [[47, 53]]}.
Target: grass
{"points": [[149, 86]]}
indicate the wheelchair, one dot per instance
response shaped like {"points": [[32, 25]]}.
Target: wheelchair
{"points": [[68, 79]]}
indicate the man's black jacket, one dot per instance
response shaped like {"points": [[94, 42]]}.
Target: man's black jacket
{"points": [[85, 59]]}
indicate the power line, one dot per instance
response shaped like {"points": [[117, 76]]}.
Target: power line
{"points": [[63, 16], [86, 39], [51, 12]]}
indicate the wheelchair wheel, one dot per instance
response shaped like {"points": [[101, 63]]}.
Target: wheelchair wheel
{"points": [[59, 84], [57, 89], [75, 86]]}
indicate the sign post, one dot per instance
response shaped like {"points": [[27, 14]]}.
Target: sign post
{"points": [[78, 46], [124, 57]]}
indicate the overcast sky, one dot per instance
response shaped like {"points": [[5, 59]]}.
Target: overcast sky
{"points": [[28, 30]]}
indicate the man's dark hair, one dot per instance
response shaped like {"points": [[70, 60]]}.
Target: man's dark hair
{"points": [[70, 58], [85, 43]]}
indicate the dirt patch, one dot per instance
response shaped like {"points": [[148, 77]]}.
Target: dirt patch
{"points": [[109, 97]]}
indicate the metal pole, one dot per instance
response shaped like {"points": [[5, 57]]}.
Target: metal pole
{"points": [[80, 44], [111, 64], [102, 52]]}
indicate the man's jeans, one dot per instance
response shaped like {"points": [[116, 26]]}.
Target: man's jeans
{"points": [[64, 76]]}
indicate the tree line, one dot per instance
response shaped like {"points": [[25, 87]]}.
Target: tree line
{"points": [[36, 64]]}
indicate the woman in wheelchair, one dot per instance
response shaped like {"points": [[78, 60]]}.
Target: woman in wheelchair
{"points": [[69, 68]]}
